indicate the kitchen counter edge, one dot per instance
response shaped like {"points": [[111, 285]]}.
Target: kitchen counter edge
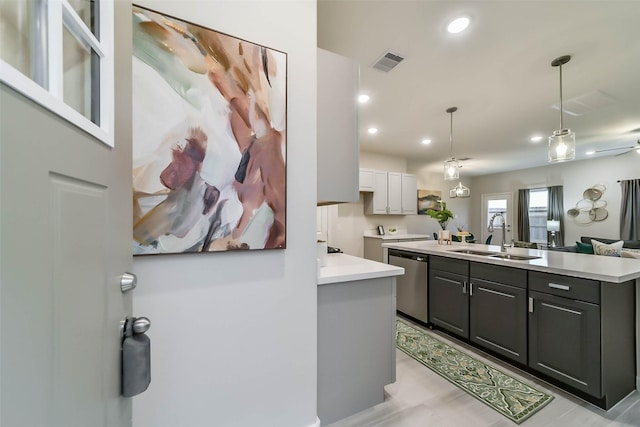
{"points": [[594, 267], [348, 268]]}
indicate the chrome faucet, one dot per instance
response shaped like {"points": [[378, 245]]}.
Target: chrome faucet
{"points": [[503, 246]]}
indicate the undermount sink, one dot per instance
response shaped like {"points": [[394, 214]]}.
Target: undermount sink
{"points": [[472, 252], [496, 255], [514, 257]]}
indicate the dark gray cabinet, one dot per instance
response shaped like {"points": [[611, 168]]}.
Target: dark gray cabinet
{"points": [[564, 340], [448, 295], [582, 334], [578, 334], [498, 310]]}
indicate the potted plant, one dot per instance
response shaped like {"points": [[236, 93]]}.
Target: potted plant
{"points": [[442, 216]]}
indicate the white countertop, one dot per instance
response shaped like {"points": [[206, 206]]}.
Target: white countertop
{"points": [[595, 267], [347, 268], [400, 236]]}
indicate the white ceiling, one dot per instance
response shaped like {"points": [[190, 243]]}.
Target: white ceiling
{"points": [[498, 73]]}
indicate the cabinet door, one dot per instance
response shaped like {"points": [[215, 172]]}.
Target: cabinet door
{"points": [[498, 318], [367, 180], [564, 341], [394, 193], [409, 194], [449, 302], [380, 193], [338, 151]]}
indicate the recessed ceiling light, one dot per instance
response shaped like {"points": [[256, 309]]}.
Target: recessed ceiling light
{"points": [[458, 25], [426, 141], [590, 153], [372, 130], [363, 98], [536, 138]]}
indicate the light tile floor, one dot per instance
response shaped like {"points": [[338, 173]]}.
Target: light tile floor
{"points": [[420, 397]]}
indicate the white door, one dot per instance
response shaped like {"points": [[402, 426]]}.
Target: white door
{"points": [[497, 204], [65, 230]]}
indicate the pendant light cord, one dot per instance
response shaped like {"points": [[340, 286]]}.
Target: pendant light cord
{"points": [[451, 135], [561, 126]]}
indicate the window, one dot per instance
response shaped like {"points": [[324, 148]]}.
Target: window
{"points": [[538, 206], [59, 53]]}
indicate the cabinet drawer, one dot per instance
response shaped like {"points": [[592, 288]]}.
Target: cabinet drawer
{"points": [[492, 273], [565, 286], [449, 264]]}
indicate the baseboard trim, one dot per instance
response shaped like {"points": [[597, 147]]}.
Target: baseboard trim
{"points": [[316, 424]]}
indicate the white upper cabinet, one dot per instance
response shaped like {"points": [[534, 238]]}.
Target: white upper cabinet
{"points": [[367, 180], [409, 194], [393, 193], [337, 144]]}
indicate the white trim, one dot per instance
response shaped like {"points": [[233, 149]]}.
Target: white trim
{"points": [[55, 51], [79, 29], [107, 78], [59, 14], [15, 79], [316, 424]]}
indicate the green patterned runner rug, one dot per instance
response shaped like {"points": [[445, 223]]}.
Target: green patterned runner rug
{"points": [[507, 395]]}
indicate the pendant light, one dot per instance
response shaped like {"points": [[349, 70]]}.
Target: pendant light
{"points": [[562, 143], [451, 165], [460, 191]]}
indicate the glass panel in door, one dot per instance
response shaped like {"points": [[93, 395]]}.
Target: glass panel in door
{"points": [[497, 206]]}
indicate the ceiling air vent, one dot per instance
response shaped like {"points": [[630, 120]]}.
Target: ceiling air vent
{"points": [[388, 61]]}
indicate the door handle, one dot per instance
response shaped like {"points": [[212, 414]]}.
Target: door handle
{"points": [[128, 281], [135, 357]]}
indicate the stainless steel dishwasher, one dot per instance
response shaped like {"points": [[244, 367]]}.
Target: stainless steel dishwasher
{"points": [[411, 289]]}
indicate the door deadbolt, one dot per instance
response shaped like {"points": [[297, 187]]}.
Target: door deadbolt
{"points": [[128, 281]]}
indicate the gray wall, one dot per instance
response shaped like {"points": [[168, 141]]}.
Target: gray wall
{"points": [[575, 177], [347, 221], [234, 334]]}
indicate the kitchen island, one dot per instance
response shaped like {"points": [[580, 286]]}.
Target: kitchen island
{"points": [[356, 334], [567, 318]]}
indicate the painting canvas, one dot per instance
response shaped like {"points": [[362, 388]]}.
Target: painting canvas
{"points": [[209, 139], [428, 199]]}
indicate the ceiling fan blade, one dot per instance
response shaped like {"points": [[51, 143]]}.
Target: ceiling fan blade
{"points": [[632, 147]]}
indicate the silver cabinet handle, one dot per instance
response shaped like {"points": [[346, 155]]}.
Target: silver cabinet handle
{"points": [[530, 305], [464, 287], [561, 287], [128, 281], [470, 289]]}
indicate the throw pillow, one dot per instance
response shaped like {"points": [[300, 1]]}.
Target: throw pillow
{"points": [[584, 248], [630, 253], [612, 249]]}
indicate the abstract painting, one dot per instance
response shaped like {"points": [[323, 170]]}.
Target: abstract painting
{"points": [[428, 199], [209, 139]]}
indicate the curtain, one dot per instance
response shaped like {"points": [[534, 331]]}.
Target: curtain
{"points": [[555, 210], [630, 210], [523, 215]]}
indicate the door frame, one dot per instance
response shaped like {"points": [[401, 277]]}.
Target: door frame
{"points": [[508, 196]]}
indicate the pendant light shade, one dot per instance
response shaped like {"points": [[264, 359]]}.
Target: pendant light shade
{"points": [[459, 191], [451, 165], [562, 143]]}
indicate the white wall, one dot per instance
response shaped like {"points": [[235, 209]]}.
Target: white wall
{"points": [[575, 177], [347, 222], [234, 334]]}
